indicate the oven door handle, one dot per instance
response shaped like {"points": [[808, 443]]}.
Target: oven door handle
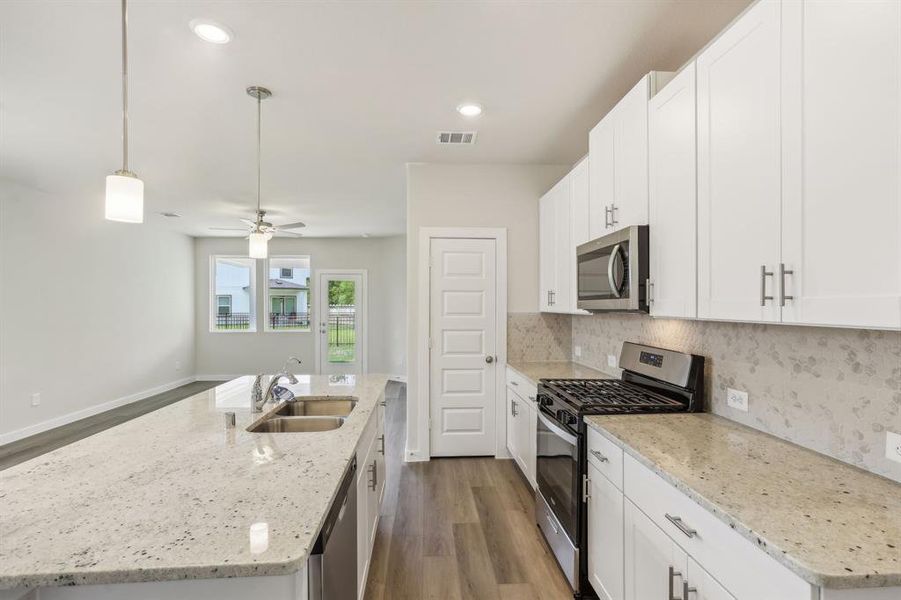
{"points": [[557, 430]]}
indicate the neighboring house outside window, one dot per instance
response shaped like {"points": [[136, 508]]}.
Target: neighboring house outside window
{"points": [[223, 305], [289, 293], [232, 306]]}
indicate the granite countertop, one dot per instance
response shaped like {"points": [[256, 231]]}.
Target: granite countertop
{"points": [[534, 371], [834, 525], [173, 495]]}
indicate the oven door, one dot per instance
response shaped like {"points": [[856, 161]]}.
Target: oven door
{"points": [[611, 271], [558, 472]]}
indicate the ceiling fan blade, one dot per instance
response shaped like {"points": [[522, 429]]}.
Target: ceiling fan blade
{"points": [[248, 221], [291, 233], [228, 228], [296, 225]]}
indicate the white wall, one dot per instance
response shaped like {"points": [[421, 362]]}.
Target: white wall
{"points": [[473, 196], [92, 313], [228, 354]]}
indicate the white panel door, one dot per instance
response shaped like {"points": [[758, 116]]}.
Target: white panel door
{"points": [[701, 586], [547, 248], [601, 163], [842, 196], [565, 253], [463, 334], [673, 198], [605, 537], [739, 168], [630, 206], [653, 563]]}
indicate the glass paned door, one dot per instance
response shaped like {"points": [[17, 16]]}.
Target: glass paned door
{"points": [[340, 319]]}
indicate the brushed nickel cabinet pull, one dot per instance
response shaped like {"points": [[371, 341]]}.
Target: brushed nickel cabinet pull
{"points": [[600, 456], [681, 526], [763, 275], [782, 273], [672, 586], [686, 590]]}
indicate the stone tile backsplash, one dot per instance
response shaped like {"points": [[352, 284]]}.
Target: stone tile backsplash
{"points": [[538, 337], [835, 391]]}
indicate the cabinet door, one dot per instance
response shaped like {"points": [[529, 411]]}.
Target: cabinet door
{"points": [[841, 232], [701, 586], [512, 437], [531, 447], [565, 254], [605, 537], [673, 198], [580, 229], [367, 510], [601, 180], [739, 168], [654, 565], [522, 434], [630, 164], [547, 247]]}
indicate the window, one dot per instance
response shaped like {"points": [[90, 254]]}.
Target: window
{"points": [[288, 293], [233, 294]]}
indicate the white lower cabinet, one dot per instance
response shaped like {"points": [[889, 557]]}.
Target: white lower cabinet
{"points": [[700, 585], [605, 546], [370, 491], [654, 565], [522, 426]]}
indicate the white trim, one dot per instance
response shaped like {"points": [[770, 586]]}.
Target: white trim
{"points": [[426, 235], [212, 307], [214, 377], [363, 340], [43, 426]]}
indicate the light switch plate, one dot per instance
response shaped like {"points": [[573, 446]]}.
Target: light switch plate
{"points": [[611, 360], [893, 446], [577, 351], [737, 399]]}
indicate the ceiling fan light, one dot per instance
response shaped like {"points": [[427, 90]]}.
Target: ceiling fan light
{"points": [[124, 198], [258, 245]]}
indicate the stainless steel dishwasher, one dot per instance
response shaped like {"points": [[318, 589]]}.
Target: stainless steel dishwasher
{"points": [[333, 562]]}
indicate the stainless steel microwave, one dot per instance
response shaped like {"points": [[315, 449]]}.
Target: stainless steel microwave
{"points": [[612, 271]]}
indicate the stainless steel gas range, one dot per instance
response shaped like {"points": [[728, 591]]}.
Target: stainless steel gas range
{"points": [[654, 380]]}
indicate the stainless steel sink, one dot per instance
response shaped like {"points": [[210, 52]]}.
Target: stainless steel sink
{"points": [[318, 407], [276, 424]]}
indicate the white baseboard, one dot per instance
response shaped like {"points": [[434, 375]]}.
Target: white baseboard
{"points": [[12, 436]]}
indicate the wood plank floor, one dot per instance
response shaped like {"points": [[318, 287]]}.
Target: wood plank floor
{"points": [[35, 445], [457, 529]]}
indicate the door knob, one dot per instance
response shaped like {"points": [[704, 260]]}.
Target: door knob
{"points": [[489, 359]]}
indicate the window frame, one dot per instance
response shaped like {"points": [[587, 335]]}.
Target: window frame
{"points": [[213, 309], [267, 304], [281, 273]]}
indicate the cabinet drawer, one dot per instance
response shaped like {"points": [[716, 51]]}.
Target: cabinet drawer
{"points": [[606, 456], [523, 387], [745, 570]]}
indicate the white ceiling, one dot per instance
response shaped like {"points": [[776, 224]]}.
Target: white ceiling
{"points": [[360, 89]]}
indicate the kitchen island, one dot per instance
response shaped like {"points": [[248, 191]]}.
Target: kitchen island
{"points": [[174, 495]]}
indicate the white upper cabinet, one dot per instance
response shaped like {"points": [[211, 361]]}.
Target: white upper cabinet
{"points": [[673, 198], [563, 225], [841, 208], [740, 169], [618, 157]]}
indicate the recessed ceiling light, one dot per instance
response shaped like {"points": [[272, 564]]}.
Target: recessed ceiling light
{"points": [[210, 31], [470, 109]]}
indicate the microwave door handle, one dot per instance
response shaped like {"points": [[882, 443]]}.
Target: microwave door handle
{"points": [[614, 286], [557, 430]]}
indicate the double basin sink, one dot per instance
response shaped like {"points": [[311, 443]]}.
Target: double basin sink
{"points": [[305, 415]]}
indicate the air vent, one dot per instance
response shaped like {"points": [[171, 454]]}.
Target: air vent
{"points": [[456, 137], [170, 215]]}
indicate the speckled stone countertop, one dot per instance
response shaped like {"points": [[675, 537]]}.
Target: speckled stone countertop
{"points": [[534, 371], [173, 495], [834, 525]]}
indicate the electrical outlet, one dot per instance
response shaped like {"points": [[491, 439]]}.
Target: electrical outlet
{"points": [[178, 365], [577, 351], [737, 399], [611, 360], [36, 399], [893, 446]]}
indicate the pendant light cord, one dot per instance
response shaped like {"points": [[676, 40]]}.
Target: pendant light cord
{"points": [[124, 86], [259, 152]]}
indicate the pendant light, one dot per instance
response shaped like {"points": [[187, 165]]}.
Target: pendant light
{"points": [[258, 241], [124, 191]]}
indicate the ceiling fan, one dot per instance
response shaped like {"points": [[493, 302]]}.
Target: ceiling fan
{"points": [[261, 231]]}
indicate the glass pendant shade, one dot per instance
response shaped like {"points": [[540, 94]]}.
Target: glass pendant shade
{"points": [[259, 245], [124, 198]]}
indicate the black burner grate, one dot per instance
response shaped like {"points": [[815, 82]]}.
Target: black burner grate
{"points": [[610, 396]]}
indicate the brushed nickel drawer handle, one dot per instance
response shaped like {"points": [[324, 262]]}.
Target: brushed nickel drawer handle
{"points": [[600, 456], [514, 383], [686, 590], [672, 575], [681, 526]]}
